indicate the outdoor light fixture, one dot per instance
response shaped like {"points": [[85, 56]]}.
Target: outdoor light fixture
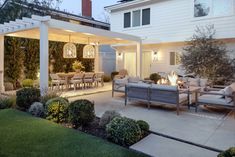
{"points": [[89, 51], [70, 50], [155, 56]]}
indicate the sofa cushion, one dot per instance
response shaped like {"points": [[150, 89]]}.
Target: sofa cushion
{"points": [[194, 82], [139, 84], [222, 92], [123, 81], [164, 87], [214, 99], [203, 82], [134, 79]]}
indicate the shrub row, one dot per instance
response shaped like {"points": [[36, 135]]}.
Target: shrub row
{"points": [[120, 130]]}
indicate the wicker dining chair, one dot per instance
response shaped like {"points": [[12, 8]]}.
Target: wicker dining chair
{"points": [[77, 80]]}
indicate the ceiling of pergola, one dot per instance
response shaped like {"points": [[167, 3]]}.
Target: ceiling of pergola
{"points": [[64, 35], [63, 31]]}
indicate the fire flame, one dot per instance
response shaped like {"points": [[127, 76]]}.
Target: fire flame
{"points": [[173, 77]]}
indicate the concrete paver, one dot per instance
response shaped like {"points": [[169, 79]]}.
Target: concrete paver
{"points": [[158, 146]]}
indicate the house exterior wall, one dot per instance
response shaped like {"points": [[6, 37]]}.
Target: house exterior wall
{"points": [[173, 21]]}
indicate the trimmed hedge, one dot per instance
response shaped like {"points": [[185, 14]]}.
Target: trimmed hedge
{"points": [[56, 110], [228, 153], [144, 126], [81, 112], [107, 117], [123, 131], [26, 96], [27, 83]]}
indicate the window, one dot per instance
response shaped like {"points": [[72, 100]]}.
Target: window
{"points": [[222, 7], [175, 58], [136, 18], [146, 16], [203, 8], [127, 20]]}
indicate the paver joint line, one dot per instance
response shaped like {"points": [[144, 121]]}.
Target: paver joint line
{"points": [[187, 142]]}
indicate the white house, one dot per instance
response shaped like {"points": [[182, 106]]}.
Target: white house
{"points": [[164, 26]]}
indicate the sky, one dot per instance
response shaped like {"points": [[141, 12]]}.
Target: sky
{"points": [[74, 6]]}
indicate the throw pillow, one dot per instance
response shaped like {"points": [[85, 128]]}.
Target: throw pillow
{"points": [[228, 91], [203, 82], [193, 82]]}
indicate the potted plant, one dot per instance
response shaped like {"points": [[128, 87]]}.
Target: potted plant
{"points": [[77, 66]]}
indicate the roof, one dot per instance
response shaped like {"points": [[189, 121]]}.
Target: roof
{"points": [[58, 13], [61, 30], [126, 4]]}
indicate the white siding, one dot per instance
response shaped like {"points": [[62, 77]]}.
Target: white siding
{"points": [[172, 21]]}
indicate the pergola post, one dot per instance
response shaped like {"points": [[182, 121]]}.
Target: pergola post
{"points": [[97, 59], [44, 57], [139, 60], [2, 88]]}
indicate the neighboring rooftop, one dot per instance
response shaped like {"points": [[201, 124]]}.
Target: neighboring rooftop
{"points": [[57, 14]]}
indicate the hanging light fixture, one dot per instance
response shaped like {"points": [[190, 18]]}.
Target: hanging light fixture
{"points": [[70, 50], [89, 51]]}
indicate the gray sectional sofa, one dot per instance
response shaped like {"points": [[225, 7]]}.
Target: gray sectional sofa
{"points": [[161, 94]]}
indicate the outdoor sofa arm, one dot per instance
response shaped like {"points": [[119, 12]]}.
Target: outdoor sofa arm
{"points": [[210, 93]]}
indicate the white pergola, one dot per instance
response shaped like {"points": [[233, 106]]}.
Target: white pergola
{"points": [[47, 29]]}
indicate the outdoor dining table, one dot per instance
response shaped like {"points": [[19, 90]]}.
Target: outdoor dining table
{"points": [[67, 77]]}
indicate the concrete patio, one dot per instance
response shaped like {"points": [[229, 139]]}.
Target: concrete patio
{"points": [[209, 127]]}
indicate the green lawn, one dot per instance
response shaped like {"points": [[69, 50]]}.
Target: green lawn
{"points": [[22, 135]]}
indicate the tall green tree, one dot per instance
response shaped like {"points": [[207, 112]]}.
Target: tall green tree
{"points": [[14, 56], [31, 59], [207, 57]]}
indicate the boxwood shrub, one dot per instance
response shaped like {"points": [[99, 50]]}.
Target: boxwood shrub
{"points": [[27, 83], [144, 126], [107, 117], [27, 96], [81, 112], [36, 109], [7, 102], [56, 110], [123, 131], [228, 153]]}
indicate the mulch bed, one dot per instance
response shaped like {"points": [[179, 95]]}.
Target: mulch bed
{"points": [[94, 129]]}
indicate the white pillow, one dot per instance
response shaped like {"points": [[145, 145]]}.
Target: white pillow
{"points": [[203, 82], [228, 91], [233, 86], [193, 82]]}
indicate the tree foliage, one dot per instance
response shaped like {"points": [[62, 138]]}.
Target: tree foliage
{"points": [[14, 57], [31, 60], [207, 57]]}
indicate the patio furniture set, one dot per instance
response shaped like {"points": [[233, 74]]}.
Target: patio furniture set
{"points": [[78, 80], [194, 94]]}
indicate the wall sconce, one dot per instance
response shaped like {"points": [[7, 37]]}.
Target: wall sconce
{"points": [[119, 55], [155, 56]]}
